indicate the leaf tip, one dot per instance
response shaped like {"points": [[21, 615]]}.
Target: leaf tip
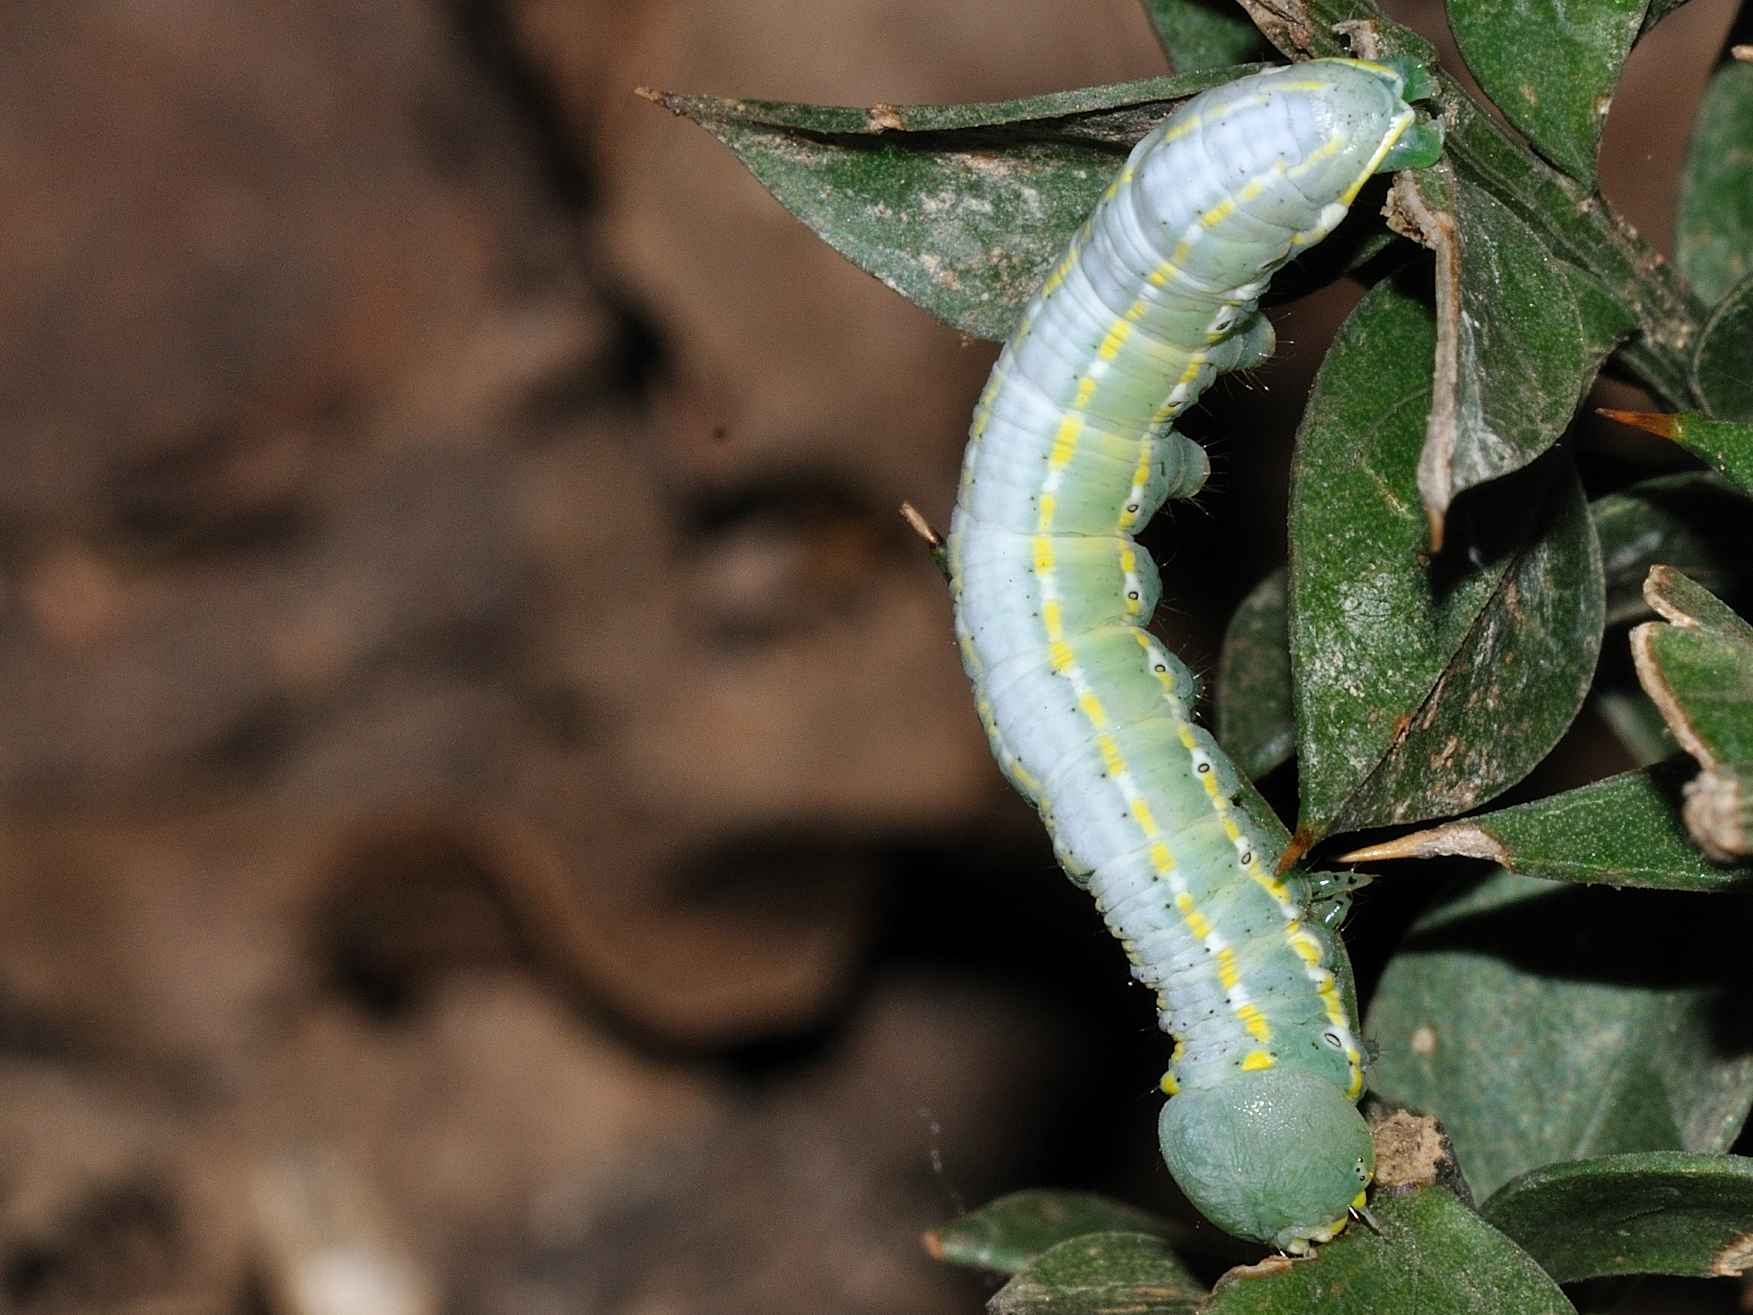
{"points": [[1457, 839], [1434, 520], [1659, 423], [1387, 850]]}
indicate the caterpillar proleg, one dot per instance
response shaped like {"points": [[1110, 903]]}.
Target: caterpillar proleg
{"points": [[1072, 448]]}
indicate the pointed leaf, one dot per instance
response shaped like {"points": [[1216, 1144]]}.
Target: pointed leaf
{"points": [[959, 208], [1520, 337], [1713, 240], [1720, 375], [1623, 831], [1724, 445], [1007, 1234], [1423, 688], [1255, 722], [1551, 67], [1197, 34], [1544, 1023], [1102, 1274], [1693, 521], [1658, 1212], [1434, 1256]]}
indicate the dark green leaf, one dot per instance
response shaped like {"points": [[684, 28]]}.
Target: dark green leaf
{"points": [[1198, 34], [1574, 227], [959, 208], [1660, 1212], [1725, 445], [1423, 688], [1698, 670], [1254, 721], [1687, 603], [1713, 240], [1435, 1256], [1709, 681], [1720, 373], [1007, 1234], [1551, 67], [1543, 1023], [1623, 831], [1692, 521], [1701, 677], [1102, 1274], [1520, 337]]}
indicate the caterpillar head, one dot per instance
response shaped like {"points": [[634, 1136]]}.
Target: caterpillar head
{"points": [[1277, 1155]]}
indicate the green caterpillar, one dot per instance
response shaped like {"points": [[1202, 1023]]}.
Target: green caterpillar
{"points": [[1072, 447]]}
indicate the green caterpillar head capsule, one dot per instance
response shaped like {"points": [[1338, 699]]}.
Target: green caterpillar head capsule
{"points": [[1277, 1156]]}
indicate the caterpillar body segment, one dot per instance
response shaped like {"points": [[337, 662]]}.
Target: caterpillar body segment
{"points": [[1072, 448]]}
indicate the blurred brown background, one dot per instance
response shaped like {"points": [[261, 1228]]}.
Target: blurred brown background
{"points": [[491, 817]]}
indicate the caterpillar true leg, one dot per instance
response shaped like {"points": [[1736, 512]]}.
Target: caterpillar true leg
{"points": [[1072, 448]]}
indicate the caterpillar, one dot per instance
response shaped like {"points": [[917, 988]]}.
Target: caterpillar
{"points": [[1072, 448]]}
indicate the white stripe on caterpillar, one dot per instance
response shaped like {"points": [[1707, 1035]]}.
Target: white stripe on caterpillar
{"points": [[1070, 449]]}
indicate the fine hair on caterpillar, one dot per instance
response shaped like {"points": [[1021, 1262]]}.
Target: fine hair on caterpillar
{"points": [[1072, 449]]}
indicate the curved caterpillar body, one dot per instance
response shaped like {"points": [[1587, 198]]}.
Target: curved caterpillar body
{"points": [[1072, 447]]}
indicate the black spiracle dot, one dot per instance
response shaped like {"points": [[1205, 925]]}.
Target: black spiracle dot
{"points": [[1132, 594], [1204, 767], [1161, 667], [1247, 858], [1132, 506]]}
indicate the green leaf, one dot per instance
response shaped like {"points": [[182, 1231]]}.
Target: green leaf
{"points": [[1543, 1023], [1713, 239], [1102, 1274], [1255, 722], [1723, 444], [1551, 67], [1197, 34], [1698, 670], [1692, 521], [1435, 1256], [1520, 337], [1704, 683], [1700, 674], [1423, 688], [959, 208], [1623, 831], [1688, 604], [1659, 1212], [1573, 226], [1007, 1234], [1720, 375]]}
